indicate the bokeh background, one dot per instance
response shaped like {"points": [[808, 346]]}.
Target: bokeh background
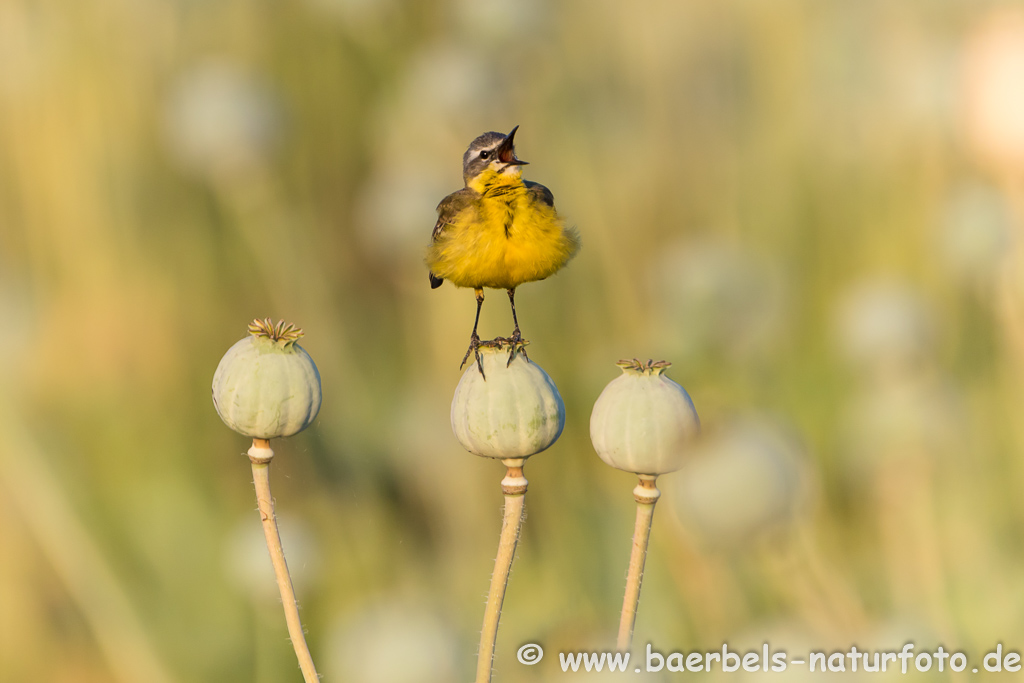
{"points": [[813, 208]]}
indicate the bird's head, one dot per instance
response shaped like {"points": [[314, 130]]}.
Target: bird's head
{"points": [[491, 152]]}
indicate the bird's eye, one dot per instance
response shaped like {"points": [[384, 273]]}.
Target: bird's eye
{"points": [[484, 154]]}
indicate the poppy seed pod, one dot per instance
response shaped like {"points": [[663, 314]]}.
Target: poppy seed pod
{"points": [[643, 421], [266, 385], [515, 412]]}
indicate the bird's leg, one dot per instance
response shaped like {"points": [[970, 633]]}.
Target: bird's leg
{"points": [[474, 339], [516, 337]]}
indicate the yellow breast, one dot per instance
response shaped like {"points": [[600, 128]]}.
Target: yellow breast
{"points": [[503, 239]]}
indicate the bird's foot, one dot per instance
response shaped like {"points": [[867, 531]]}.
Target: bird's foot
{"points": [[474, 348], [518, 345]]}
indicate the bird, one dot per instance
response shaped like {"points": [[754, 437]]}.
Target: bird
{"points": [[498, 232]]}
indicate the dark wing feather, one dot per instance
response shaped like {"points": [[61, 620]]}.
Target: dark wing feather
{"points": [[540, 193], [450, 207], [447, 210]]}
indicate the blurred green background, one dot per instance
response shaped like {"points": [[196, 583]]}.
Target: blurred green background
{"points": [[812, 208]]}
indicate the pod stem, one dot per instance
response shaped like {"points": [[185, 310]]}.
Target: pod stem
{"points": [[646, 494], [514, 487], [260, 455]]}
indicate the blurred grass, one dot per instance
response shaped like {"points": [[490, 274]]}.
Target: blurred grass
{"points": [[740, 174]]}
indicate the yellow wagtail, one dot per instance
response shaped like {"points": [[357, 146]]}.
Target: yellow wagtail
{"points": [[499, 231]]}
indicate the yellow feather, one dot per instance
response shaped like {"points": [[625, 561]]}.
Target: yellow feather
{"points": [[502, 239]]}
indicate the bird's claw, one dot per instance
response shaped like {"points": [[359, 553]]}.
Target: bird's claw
{"points": [[517, 343], [474, 348]]}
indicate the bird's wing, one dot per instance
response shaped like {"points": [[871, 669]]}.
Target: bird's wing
{"points": [[540, 193], [450, 207]]}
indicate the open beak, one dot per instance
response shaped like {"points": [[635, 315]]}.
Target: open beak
{"points": [[506, 151]]}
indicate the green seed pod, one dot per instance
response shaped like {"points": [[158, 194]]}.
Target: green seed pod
{"points": [[266, 385], [643, 421], [515, 413]]}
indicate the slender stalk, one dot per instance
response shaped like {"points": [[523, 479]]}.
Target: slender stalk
{"points": [[260, 455], [646, 494], [514, 488]]}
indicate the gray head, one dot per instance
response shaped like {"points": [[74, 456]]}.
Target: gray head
{"points": [[490, 150]]}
